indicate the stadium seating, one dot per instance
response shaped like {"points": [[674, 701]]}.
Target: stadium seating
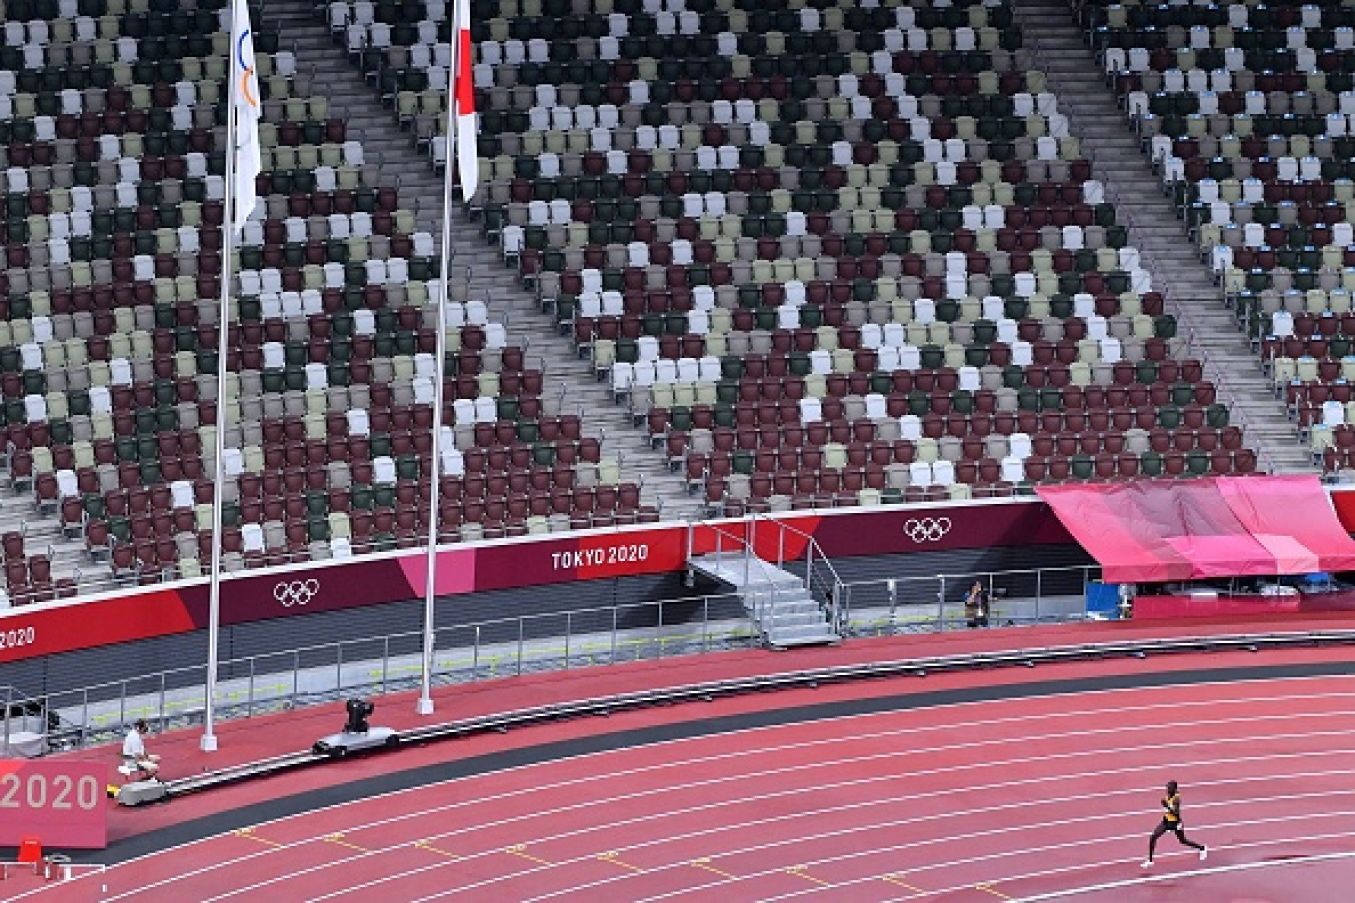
{"points": [[830, 255], [111, 118], [1246, 110]]}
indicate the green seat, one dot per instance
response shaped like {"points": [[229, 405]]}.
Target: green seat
{"points": [[1082, 467]]}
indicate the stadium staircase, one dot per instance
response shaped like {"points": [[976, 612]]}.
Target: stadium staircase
{"points": [[573, 388], [779, 602], [1210, 329]]}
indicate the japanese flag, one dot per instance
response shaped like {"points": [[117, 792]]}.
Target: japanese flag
{"points": [[463, 104]]}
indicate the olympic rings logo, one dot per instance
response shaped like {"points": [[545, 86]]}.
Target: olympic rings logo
{"points": [[926, 529], [247, 68], [296, 592]]}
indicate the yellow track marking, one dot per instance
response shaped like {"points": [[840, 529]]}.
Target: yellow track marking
{"points": [[704, 863], [611, 857], [425, 845], [895, 879], [338, 840], [248, 834], [521, 850], [801, 871]]}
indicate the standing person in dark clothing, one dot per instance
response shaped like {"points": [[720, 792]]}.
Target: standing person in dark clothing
{"points": [[976, 605], [1171, 821]]}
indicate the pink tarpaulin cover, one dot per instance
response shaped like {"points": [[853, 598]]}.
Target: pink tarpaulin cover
{"points": [[1156, 530]]}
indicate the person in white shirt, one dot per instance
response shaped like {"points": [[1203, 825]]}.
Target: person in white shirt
{"points": [[134, 751]]}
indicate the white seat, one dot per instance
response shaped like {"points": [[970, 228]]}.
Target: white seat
{"points": [[811, 410], [383, 470], [66, 484], [486, 410], [910, 427], [877, 406], [358, 422], [1281, 324], [920, 474], [1018, 445], [252, 537], [181, 494], [35, 408]]}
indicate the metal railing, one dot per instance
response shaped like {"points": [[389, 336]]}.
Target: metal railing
{"points": [[761, 600], [900, 605], [494, 648], [821, 578], [281, 681]]}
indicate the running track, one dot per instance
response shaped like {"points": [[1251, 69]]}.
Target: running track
{"points": [[1032, 797]]}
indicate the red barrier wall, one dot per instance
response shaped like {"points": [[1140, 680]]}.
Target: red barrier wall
{"points": [[38, 630]]}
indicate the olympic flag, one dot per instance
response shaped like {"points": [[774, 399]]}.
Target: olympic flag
{"points": [[245, 94]]}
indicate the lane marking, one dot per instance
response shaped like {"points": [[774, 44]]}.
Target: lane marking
{"points": [[989, 889], [1211, 742], [704, 864], [611, 856], [973, 835], [337, 840], [817, 742], [249, 834], [1081, 866], [1190, 873], [520, 849], [842, 737], [705, 833], [895, 879], [800, 871], [426, 845]]}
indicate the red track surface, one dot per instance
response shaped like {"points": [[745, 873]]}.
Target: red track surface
{"points": [[1019, 799]]}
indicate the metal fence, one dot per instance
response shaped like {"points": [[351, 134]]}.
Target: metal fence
{"points": [[891, 605], [488, 649], [281, 681]]}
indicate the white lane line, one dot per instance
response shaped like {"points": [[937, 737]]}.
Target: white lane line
{"points": [[1133, 863], [763, 752], [992, 857], [1211, 761], [705, 831], [942, 840], [1189, 873], [892, 754]]}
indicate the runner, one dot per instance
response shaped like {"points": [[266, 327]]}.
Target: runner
{"points": [[1171, 821]]}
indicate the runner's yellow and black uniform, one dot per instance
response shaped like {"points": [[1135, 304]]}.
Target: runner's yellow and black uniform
{"points": [[1171, 821]]}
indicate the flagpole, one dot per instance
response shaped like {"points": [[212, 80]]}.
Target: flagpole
{"points": [[208, 742], [425, 704]]}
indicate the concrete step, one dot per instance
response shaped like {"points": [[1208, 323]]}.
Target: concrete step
{"points": [[1074, 75], [802, 636], [573, 388]]}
